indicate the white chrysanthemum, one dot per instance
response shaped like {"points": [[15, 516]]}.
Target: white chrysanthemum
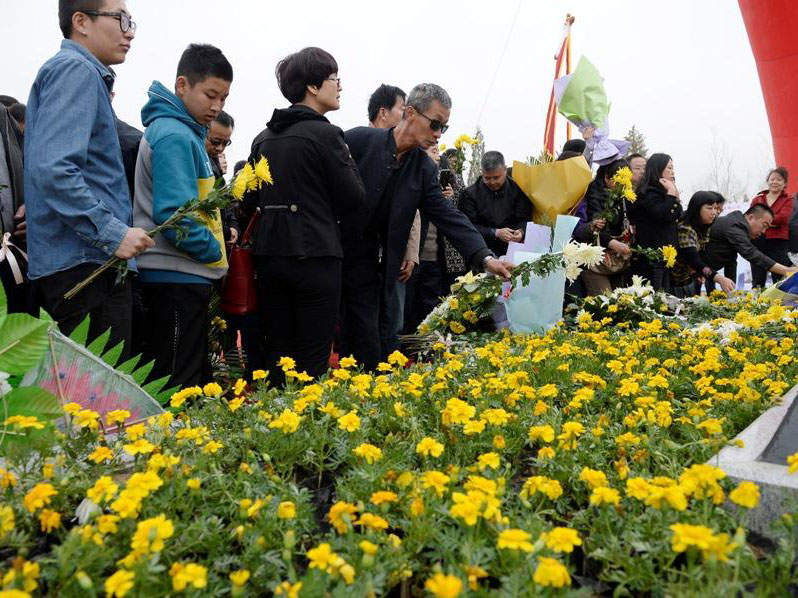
{"points": [[572, 271], [582, 254]]}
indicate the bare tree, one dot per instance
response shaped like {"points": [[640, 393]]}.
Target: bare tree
{"points": [[722, 174]]}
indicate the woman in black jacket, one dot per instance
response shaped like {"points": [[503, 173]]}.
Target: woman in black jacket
{"points": [[614, 234], [298, 244], [656, 215], [690, 270]]}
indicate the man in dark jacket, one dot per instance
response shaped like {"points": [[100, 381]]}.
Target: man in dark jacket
{"points": [[399, 179], [496, 206], [732, 234]]}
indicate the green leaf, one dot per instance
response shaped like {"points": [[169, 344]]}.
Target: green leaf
{"points": [[111, 357], [130, 365], [98, 344], [152, 388], [165, 395], [23, 342], [3, 302], [140, 375], [30, 400], [81, 332]]}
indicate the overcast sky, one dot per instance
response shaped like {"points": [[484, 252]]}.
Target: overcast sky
{"points": [[681, 71]]}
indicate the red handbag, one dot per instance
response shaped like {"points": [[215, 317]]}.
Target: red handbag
{"points": [[239, 296]]}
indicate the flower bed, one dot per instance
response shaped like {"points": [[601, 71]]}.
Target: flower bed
{"points": [[520, 466]]}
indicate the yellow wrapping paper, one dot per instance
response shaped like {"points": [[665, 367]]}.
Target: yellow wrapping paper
{"points": [[554, 187], [204, 186]]}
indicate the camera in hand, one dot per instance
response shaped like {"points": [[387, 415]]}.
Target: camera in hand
{"points": [[446, 178]]}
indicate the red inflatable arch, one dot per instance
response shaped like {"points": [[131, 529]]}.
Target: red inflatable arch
{"points": [[772, 27]]}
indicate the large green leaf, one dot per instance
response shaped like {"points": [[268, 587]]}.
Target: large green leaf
{"points": [[140, 375], [30, 400], [97, 346], [3, 302], [111, 357], [130, 365], [81, 333], [23, 341]]}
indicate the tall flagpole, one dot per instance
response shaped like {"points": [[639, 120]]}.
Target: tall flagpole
{"points": [[563, 55]]}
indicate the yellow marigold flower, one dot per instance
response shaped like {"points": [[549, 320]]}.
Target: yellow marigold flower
{"points": [[686, 535], [286, 510], [551, 572], [435, 480], [286, 363], [259, 375], [288, 422], [444, 586], [457, 327], [562, 539], [719, 548], [39, 496], [140, 447], [638, 488], [515, 539], [72, 408], [546, 453], [194, 483], [7, 479], [212, 447], [792, 463], [103, 489], [135, 431], [239, 578], [488, 460], [150, 535], [544, 433], [484, 485], [49, 520], [288, 589], [369, 452], [349, 422], [669, 254], [187, 575], [86, 418], [372, 521], [466, 507], [107, 524], [593, 477], [263, 172], [605, 496], [458, 412], [499, 442], [212, 389], [383, 496], [119, 584], [322, 557], [397, 358], [746, 494], [337, 513], [7, 520], [368, 548], [24, 421], [429, 447], [474, 426]]}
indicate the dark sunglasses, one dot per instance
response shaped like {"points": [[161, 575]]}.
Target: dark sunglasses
{"points": [[434, 124], [217, 142]]}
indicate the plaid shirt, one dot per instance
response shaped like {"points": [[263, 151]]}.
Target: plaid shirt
{"points": [[687, 236]]}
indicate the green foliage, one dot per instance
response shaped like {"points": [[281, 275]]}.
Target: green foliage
{"points": [[23, 341], [637, 142]]}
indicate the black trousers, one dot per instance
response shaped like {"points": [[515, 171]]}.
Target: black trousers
{"points": [[176, 333], [107, 301], [360, 310], [776, 249], [298, 300], [425, 290]]}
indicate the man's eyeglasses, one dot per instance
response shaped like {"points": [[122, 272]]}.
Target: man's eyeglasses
{"points": [[434, 124], [219, 142], [125, 22], [337, 80]]}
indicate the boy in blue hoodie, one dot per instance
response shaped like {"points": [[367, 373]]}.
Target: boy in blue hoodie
{"points": [[173, 167]]}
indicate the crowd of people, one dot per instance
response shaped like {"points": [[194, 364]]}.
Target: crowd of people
{"points": [[357, 239]]}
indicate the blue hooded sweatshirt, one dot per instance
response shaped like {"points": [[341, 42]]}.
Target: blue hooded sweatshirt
{"points": [[173, 168]]}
